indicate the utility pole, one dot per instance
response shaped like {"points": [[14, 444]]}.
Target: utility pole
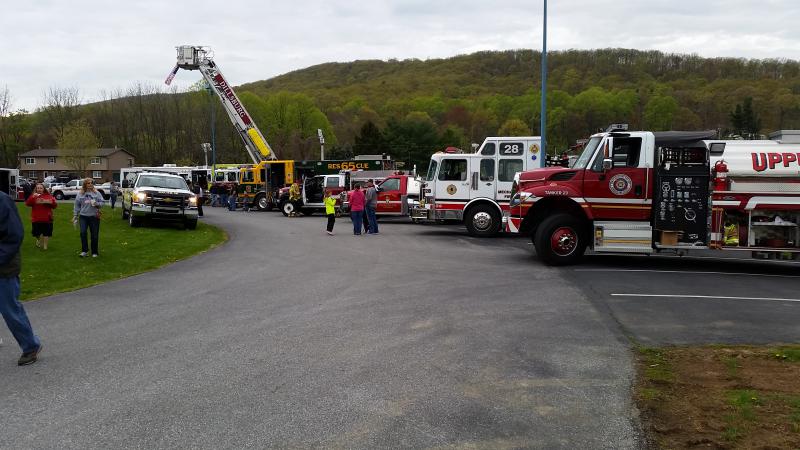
{"points": [[543, 113], [321, 144]]}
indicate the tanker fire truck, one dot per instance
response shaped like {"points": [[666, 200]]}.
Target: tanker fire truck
{"points": [[645, 193], [272, 173], [475, 188]]}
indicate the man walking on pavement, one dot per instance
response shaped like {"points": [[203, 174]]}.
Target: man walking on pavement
{"points": [[371, 197], [11, 234]]}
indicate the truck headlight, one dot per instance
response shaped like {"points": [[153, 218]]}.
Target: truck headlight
{"points": [[141, 197], [193, 200]]}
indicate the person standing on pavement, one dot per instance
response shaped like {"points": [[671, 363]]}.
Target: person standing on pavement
{"points": [[197, 188], [11, 236], [294, 198], [42, 205], [357, 209], [330, 211], [371, 197], [87, 210]]}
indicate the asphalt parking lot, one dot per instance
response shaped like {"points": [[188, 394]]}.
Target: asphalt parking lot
{"points": [[419, 337]]}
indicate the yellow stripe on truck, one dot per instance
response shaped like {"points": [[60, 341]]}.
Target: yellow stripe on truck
{"points": [[260, 144]]}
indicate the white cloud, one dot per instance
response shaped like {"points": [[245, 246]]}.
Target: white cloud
{"points": [[96, 45]]}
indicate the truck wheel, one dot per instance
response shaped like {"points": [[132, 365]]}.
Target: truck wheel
{"points": [[59, 195], [103, 194], [287, 208], [190, 224], [261, 203], [133, 221], [560, 240], [482, 221]]}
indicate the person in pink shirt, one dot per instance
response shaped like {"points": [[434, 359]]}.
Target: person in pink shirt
{"points": [[357, 202]]}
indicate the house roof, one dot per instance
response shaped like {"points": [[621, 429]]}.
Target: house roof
{"points": [[41, 152]]}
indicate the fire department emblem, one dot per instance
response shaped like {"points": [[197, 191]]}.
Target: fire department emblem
{"points": [[451, 189], [620, 184], [534, 149]]}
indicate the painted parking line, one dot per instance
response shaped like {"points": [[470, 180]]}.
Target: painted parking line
{"points": [[712, 297], [690, 272]]}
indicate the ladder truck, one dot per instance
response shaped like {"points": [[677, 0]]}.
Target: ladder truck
{"points": [[265, 162]]}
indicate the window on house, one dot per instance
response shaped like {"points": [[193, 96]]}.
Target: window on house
{"points": [[95, 161], [51, 160], [32, 174], [30, 161], [97, 174]]}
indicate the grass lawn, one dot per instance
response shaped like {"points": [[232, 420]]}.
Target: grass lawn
{"points": [[124, 251], [720, 396]]}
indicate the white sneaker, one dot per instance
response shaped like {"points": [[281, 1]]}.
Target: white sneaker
{"points": [[330, 233], [95, 255], [83, 254]]}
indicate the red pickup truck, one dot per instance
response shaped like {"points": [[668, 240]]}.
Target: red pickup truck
{"points": [[396, 194]]}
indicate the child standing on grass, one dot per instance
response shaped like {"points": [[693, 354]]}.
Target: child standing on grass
{"points": [[42, 205], [330, 211]]}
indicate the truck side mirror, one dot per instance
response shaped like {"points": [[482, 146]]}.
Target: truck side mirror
{"points": [[125, 184], [607, 164]]}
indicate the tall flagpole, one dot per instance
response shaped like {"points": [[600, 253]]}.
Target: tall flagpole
{"points": [[543, 113]]}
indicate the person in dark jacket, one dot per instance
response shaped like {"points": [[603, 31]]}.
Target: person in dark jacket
{"points": [[11, 235]]}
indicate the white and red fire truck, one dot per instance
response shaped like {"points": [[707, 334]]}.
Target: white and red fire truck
{"points": [[475, 188], [643, 192]]}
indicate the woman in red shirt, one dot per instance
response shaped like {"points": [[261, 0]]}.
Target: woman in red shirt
{"points": [[42, 205]]}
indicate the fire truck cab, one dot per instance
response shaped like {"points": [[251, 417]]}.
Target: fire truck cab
{"points": [[643, 192], [475, 188]]}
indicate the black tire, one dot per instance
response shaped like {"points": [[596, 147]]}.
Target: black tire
{"points": [[103, 194], [190, 224], [561, 240], [482, 221], [58, 195], [287, 207], [133, 221], [261, 203]]}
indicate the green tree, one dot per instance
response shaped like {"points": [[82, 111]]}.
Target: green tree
{"points": [[78, 145], [659, 112], [744, 119], [514, 127], [370, 141]]}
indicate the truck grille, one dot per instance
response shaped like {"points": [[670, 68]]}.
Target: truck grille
{"points": [[169, 200]]}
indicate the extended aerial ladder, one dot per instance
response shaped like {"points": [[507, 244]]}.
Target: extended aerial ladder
{"points": [[199, 58]]}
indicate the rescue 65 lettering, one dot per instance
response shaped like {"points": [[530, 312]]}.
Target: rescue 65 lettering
{"points": [[762, 161]]}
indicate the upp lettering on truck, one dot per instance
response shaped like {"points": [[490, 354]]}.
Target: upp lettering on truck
{"points": [[763, 160]]}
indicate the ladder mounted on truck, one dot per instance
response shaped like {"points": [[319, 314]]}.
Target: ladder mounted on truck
{"points": [[199, 58]]}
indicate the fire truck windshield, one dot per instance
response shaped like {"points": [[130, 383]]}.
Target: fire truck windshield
{"points": [[432, 171], [583, 161]]}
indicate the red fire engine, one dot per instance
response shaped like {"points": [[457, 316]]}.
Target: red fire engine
{"points": [[643, 192]]}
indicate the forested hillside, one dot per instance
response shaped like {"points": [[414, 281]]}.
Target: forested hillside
{"points": [[411, 108]]}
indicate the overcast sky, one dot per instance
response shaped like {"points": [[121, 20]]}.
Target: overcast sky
{"points": [[95, 45]]}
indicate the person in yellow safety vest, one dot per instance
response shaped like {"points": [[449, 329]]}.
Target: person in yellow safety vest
{"points": [[732, 234], [330, 211], [294, 197]]}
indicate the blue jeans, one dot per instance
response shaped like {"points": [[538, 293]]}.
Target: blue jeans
{"points": [[14, 315], [373, 221], [113, 198], [231, 203], [356, 216], [93, 225]]}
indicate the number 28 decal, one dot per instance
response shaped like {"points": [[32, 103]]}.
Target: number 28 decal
{"points": [[511, 148]]}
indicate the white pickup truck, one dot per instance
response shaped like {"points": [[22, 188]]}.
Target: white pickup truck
{"points": [[71, 189]]}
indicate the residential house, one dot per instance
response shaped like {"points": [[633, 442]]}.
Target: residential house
{"points": [[41, 162]]}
